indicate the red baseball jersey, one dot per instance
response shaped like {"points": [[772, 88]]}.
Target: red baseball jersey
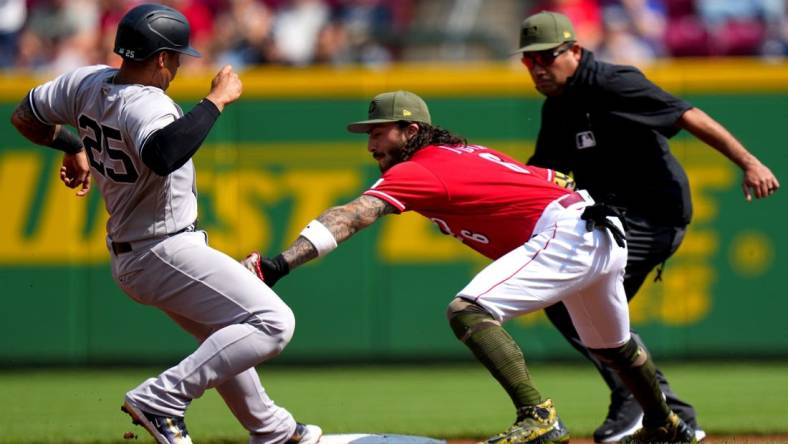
{"points": [[484, 198]]}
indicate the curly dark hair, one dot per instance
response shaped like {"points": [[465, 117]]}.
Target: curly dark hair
{"points": [[428, 135]]}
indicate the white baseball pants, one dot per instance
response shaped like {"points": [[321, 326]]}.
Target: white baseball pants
{"points": [[561, 262]]}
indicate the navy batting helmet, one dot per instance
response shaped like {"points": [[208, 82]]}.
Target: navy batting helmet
{"points": [[147, 29]]}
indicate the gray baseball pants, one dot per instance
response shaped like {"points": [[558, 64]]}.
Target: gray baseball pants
{"points": [[238, 321]]}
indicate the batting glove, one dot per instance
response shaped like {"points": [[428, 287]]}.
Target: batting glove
{"points": [[273, 269]]}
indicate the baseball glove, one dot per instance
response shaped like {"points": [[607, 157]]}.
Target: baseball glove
{"points": [[564, 180]]}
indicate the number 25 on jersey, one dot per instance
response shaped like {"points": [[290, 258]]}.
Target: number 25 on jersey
{"points": [[103, 158]]}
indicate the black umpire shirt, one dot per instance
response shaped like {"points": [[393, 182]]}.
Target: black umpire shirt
{"points": [[610, 128]]}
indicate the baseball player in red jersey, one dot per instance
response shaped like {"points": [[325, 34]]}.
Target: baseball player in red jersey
{"points": [[547, 243]]}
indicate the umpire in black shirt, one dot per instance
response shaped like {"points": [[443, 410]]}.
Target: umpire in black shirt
{"points": [[609, 126]]}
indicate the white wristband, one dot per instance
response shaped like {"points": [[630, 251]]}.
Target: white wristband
{"points": [[320, 237]]}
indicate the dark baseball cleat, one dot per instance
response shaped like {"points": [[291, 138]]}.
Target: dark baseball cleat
{"points": [[673, 431], [536, 424], [624, 417], [305, 434], [252, 263], [164, 429]]}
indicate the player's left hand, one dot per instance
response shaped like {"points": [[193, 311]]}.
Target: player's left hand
{"points": [[759, 181], [226, 88], [75, 172], [273, 269]]}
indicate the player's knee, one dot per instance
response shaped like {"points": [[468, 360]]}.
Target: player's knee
{"points": [[286, 326], [466, 318], [287, 323], [278, 325], [628, 355]]}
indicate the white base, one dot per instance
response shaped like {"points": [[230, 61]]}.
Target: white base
{"points": [[374, 438]]}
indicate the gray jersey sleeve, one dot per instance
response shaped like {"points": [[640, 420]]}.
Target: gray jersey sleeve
{"points": [[54, 101], [148, 111]]}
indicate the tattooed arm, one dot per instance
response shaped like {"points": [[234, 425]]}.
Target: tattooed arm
{"points": [[343, 222], [75, 171], [29, 126]]}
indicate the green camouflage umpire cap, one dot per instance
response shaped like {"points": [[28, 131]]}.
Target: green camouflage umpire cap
{"points": [[545, 30], [393, 107]]}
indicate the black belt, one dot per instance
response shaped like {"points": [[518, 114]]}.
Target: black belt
{"points": [[125, 247]]}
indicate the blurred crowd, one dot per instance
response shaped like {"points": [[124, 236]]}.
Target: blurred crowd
{"points": [[56, 35], [60, 34], [639, 31]]}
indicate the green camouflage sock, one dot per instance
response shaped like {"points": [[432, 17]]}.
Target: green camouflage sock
{"points": [[496, 349], [636, 369]]}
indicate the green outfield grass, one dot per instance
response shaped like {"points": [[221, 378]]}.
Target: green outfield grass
{"points": [[446, 401]]}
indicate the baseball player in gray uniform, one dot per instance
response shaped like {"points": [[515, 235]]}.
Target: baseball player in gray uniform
{"points": [[137, 144]]}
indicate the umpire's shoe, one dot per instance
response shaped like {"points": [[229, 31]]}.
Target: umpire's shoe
{"points": [[535, 424], [305, 434], [674, 430], [164, 429], [624, 417]]}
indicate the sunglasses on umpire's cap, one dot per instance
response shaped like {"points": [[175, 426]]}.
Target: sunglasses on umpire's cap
{"points": [[393, 106], [545, 31]]}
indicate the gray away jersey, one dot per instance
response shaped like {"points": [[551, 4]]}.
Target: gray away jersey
{"points": [[114, 121]]}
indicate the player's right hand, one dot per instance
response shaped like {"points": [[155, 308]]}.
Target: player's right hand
{"points": [[226, 87], [75, 171]]}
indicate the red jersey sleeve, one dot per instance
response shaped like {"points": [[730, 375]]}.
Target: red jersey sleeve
{"points": [[409, 186]]}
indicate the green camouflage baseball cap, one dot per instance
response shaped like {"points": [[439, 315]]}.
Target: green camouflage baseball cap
{"points": [[393, 107], [545, 30]]}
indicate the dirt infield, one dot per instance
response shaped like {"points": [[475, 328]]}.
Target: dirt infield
{"points": [[731, 439], [782, 439]]}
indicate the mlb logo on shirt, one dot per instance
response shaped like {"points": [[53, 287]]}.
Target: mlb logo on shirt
{"points": [[585, 140]]}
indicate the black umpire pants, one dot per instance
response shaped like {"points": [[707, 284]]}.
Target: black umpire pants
{"points": [[649, 245]]}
